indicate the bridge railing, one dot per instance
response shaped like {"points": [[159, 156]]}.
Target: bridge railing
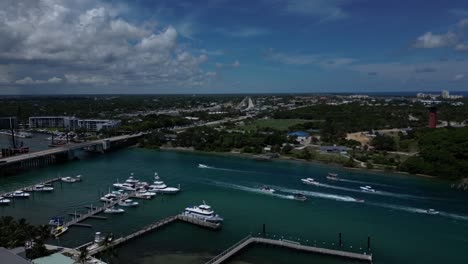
{"points": [[220, 255]]}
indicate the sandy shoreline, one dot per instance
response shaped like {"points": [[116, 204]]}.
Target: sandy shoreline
{"points": [[281, 157]]}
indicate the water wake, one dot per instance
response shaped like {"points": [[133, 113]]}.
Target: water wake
{"points": [[418, 210], [227, 169], [364, 182], [248, 189], [341, 198]]}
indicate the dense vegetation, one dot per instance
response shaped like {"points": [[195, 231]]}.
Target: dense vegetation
{"points": [[15, 233]]}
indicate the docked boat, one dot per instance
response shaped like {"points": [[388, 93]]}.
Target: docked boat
{"points": [[203, 212], [4, 201], [432, 211], [19, 194], [71, 179], [367, 188], [128, 203], [111, 197], [131, 180], [42, 188], [332, 176], [309, 181], [160, 187], [114, 210], [124, 186], [300, 197], [59, 230], [98, 241], [203, 166], [143, 194], [56, 221], [267, 189]]}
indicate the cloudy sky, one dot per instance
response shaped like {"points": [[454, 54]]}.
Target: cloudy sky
{"points": [[232, 46]]}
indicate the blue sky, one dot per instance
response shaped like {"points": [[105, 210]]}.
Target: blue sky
{"points": [[223, 46]]}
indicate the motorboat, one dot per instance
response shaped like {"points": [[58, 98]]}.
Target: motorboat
{"points": [[203, 212], [42, 188], [114, 210], [203, 166], [111, 197], [59, 230], [143, 194], [128, 203], [98, 241], [332, 176], [161, 187], [367, 188], [300, 197], [69, 179], [124, 186], [309, 181], [19, 194], [432, 211], [267, 189], [131, 180], [4, 201], [139, 185], [56, 221]]}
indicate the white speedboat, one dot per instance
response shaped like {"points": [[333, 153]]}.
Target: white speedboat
{"points": [[300, 197], [111, 197], [124, 186], [267, 189], [128, 203], [203, 212], [432, 211], [309, 181], [18, 194], [42, 188], [59, 230], [143, 194], [56, 221], [114, 210], [69, 179], [4, 201], [332, 176], [161, 187], [203, 166], [367, 188]]}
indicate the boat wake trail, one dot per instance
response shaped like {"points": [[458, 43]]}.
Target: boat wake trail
{"points": [[341, 198], [418, 210], [248, 189], [227, 169], [364, 182], [384, 193], [455, 216]]}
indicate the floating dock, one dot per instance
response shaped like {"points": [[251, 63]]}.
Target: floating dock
{"points": [[234, 249], [151, 227], [30, 188]]}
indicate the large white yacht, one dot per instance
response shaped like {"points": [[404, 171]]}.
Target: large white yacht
{"points": [[309, 181], [114, 210], [124, 186], [203, 212], [111, 197], [18, 194], [42, 188], [128, 203], [161, 187], [131, 180], [4, 201]]}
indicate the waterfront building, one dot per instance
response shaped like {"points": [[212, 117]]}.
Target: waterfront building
{"points": [[8, 122], [95, 125], [66, 122], [445, 94], [301, 137]]}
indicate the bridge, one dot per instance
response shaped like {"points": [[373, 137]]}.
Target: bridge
{"points": [[234, 249], [10, 165]]}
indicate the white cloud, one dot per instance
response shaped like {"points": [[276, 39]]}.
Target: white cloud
{"points": [[243, 32], [461, 47], [90, 42], [307, 59], [430, 41], [459, 77], [324, 10], [235, 64]]}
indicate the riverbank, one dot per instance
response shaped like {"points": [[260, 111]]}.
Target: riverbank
{"points": [[289, 158]]}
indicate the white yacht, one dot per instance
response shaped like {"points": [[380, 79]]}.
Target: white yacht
{"points": [[4, 201], [203, 166], [267, 189], [310, 181], [124, 186], [42, 188], [18, 194], [98, 240], [131, 180], [432, 211], [128, 203], [203, 212], [332, 176], [367, 188], [161, 187], [69, 179], [111, 197], [144, 194], [114, 210]]}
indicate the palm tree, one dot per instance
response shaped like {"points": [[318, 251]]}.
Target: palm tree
{"points": [[83, 255], [108, 247]]}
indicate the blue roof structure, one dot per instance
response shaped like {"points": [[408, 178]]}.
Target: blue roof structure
{"points": [[298, 134]]}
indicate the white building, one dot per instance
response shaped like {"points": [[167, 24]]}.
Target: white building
{"points": [[445, 94], [67, 122], [95, 125]]}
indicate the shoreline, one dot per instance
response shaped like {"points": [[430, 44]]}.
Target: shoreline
{"points": [[287, 158]]}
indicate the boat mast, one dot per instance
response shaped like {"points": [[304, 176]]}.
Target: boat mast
{"points": [[12, 134]]}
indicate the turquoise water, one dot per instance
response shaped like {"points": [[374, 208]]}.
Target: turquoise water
{"points": [[394, 216]]}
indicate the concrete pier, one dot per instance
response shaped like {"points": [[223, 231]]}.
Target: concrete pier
{"points": [[234, 249]]}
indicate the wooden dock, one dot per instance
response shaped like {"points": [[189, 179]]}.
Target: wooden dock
{"points": [[234, 249], [30, 188], [151, 227]]}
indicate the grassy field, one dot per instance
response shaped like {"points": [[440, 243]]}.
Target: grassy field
{"points": [[280, 124]]}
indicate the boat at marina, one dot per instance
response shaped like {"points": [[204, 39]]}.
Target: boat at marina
{"points": [[332, 176], [4, 201], [59, 230], [300, 197], [56, 221], [131, 180], [42, 188], [367, 188], [144, 194], [128, 203], [124, 186], [432, 211], [266, 189], [160, 187], [310, 181], [114, 210], [203, 212], [203, 166], [69, 179], [111, 197], [18, 194]]}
